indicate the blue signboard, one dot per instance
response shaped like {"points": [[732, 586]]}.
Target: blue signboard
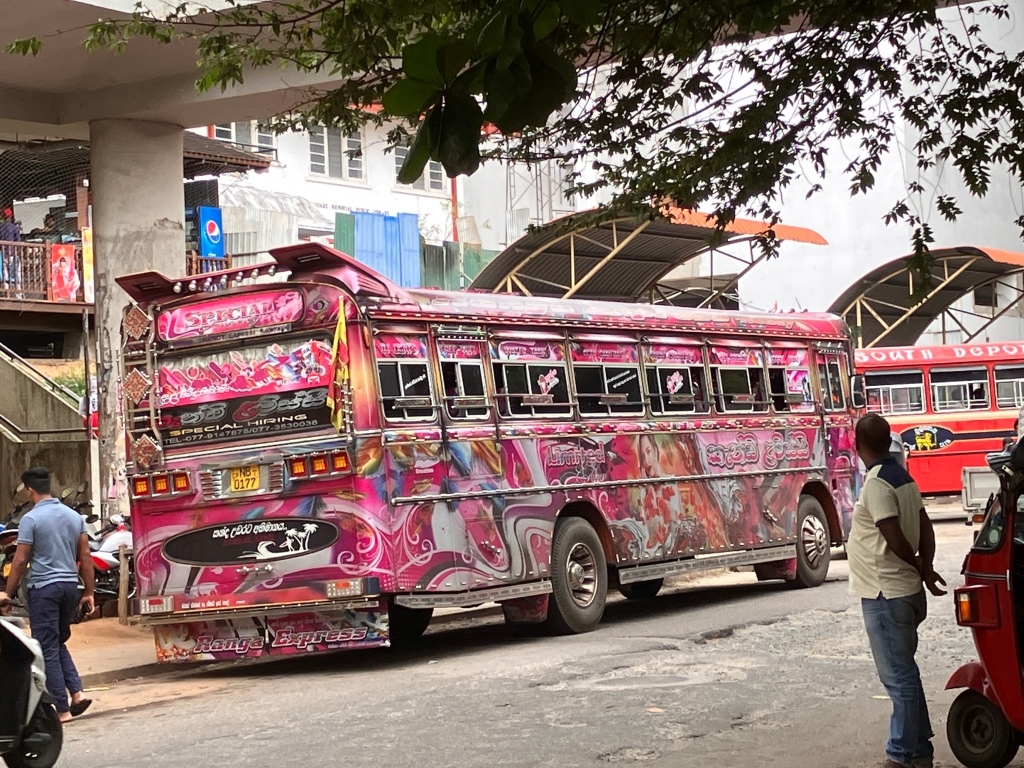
{"points": [[211, 233]]}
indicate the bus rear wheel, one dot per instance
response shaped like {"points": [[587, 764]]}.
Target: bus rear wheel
{"points": [[579, 578], [813, 544], [641, 590]]}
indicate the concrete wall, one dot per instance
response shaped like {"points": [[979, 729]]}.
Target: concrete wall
{"points": [[68, 461], [26, 401]]}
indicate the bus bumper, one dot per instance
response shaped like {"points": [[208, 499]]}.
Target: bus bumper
{"points": [[255, 636]]}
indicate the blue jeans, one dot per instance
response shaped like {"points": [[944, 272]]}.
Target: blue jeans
{"points": [[51, 609], [892, 631]]}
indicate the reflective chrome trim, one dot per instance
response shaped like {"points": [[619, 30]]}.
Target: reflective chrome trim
{"points": [[706, 562], [475, 597], [605, 484], [318, 606]]}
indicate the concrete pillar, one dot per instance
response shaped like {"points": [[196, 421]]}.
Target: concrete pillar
{"points": [[138, 224]]}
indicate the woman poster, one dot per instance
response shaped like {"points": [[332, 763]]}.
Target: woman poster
{"points": [[64, 280]]}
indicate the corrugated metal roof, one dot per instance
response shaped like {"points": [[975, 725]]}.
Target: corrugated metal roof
{"points": [[890, 302], [551, 259]]}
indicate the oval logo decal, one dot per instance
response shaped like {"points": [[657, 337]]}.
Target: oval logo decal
{"points": [[927, 438], [251, 541]]}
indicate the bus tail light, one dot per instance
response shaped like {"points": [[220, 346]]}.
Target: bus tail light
{"points": [[318, 465], [161, 485], [140, 487]]}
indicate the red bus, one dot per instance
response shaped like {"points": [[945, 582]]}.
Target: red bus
{"points": [[951, 404], [317, 464]]}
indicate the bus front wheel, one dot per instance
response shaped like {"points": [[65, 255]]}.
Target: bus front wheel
{"points": [[813, 543], [579, 578]]}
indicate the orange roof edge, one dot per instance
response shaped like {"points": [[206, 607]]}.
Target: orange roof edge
{"points": [[996, 254], [745, 226]]}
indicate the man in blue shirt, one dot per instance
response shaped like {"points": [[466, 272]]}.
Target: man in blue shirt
{"points": [[52, 538]]}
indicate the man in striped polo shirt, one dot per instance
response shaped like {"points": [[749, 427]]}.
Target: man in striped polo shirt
{"points": [[891, 548]]}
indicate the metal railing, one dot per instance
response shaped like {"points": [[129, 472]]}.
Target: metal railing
{"points": [[198, 265], [26, 271]]}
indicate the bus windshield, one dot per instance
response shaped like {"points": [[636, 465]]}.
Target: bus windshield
{"points": [[264, 389]]}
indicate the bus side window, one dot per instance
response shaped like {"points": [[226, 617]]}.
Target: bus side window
{"points": [[830, 376], [538, 389], [608, 389], [777, 387], [959, 389], [1009, 386], [405, 391], [735, 389], [671, 390], [896, 392], [464, 394]]}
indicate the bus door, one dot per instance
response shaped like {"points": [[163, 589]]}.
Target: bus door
{"points": [[473, 465], [834, 374], [425, 535]]}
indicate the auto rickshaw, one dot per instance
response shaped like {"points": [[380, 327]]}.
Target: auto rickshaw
{"points": [[985, 726]]}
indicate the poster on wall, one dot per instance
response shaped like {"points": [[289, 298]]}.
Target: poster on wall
{"points": [[88, 286], [64, 279]]}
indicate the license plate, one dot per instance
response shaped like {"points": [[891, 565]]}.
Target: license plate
{"points": [[7, 569], [243, 479]]}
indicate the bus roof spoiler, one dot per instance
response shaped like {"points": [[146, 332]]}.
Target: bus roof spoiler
{"points": [[300, 258]]}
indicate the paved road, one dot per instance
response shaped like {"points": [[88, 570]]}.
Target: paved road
{"points": [[733, 674]]}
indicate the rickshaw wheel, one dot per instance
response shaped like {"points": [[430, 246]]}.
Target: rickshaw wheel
{"points": [[978, 732]]}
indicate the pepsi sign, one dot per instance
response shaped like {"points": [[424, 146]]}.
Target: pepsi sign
{"points": [[211, 233]]}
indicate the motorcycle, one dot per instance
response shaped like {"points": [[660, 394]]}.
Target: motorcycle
{"points": [[985, 726], [105, 547], [31, 734]]}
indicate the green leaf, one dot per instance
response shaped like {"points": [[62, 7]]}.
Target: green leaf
{"points": [[581, 12], [452, 57], [420, 149], [546, 21], [492, 36], [458, 146], [29, 46], [419, 60], [408, 98]]}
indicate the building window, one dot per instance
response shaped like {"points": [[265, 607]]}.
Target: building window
{"points": [[334, 154], [248, 133], [431, 180]]}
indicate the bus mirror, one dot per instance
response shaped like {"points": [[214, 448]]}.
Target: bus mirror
{"points": [[858, 395]]}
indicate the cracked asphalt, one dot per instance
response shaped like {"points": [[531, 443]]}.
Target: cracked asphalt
{"points": [[725, 672]]}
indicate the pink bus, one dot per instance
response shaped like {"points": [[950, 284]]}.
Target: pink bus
{"points": [[318, 464]]}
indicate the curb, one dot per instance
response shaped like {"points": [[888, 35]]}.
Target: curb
{"points": [[155, 670]]}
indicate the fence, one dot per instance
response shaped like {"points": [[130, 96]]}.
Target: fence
{"points": [[198, 265], [26, 271]]}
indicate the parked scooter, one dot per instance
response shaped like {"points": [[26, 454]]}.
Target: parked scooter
{"points": [[985, 726], [106, 547], [31, 734]]}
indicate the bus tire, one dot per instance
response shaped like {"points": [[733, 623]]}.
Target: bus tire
{"points": [[813, 545], [641, 590], [407, 625], [579, 578], [979, 733]]}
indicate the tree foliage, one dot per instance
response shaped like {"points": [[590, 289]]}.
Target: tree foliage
{"points": [[721, 104]]}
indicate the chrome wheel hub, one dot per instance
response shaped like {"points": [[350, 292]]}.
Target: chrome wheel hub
{"points": [[814, 540], [581, 575]]}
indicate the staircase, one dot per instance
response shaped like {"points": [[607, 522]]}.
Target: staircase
{"points": [[39, 426]]}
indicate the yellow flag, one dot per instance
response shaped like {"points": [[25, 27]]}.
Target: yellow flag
{"points": [[339, 363]]}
